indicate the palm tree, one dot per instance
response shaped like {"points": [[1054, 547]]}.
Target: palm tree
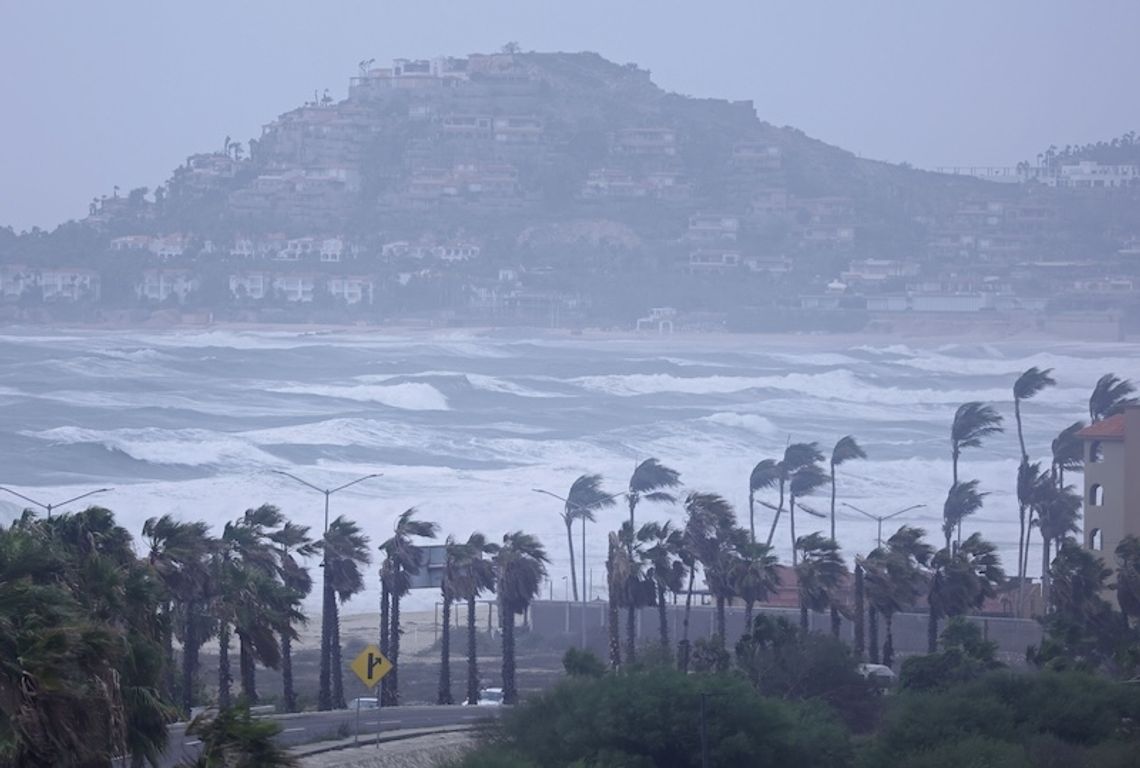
{"points": [[860, 610], [178, 554], [1110, 396], [293, 542], [649, 480], [665, 569], [234, 737], [448, 588], [845, 450], [520, 566], [584, 499], [617, 575], [895, 578], [755, 577], [402, 560], [1058, 511], [1128, 576], [803, 481], [796, 456], [963, 500], [704, 513], [473, 574], [820, 575], [345, 553], [1028, 384], [973, 422], [961, 581], [716, 540], [269, 605]]}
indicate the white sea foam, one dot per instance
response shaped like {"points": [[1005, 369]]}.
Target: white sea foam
{"points": [[189, 447], [409, 396], [748, 421]]}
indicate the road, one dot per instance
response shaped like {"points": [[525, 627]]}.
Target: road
{"points": [[307, 727]]}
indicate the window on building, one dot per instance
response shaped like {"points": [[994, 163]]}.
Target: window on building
{"points": [[1096, 495], [1096, 452], [1096, 540]]}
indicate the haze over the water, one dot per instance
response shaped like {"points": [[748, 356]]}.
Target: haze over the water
{"points": [[125, 90]]}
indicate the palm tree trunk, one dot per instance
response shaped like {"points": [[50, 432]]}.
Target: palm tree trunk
{"points": [[1044, 575], [748, 609], [385, 633], [324, 696], [337, 688], [444, 696], [510, 693], [860, 613], [472, 655], [573, 571], [1020, 437], [833, 502], [683, 646], [247, 669], [720, 619], [931, 628], [792, 525], [394, 650], [889, 643], [613, 620], [1020, 557], [662, 619], [873, 634], [168, 653], [751, 515], [776, 517], [189, 658], [290, 695], [630, 624], [803, 616], [224, 666], [836, 623], [1028, 539]]}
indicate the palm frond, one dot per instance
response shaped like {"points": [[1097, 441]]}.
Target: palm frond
{"points": [[651, 475], [973, 422], [1110, 396], [1031, 382], [847, 449], [764, 475]]}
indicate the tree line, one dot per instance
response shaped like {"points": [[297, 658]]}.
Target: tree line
{"points": [[89, 626]]}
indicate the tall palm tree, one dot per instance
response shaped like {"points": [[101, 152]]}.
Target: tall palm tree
{"points": [[650, 481], [755, 577], [664, 568], [895, 577], [961, 581], [1028, 385], [473, 574], [345, 553], [584, 499], [618, 569], [520, 566], [178, 553], [847, 449], [636, 587], [1110, 396], [796, 457], [704, 513], [1030, 483], [973, 423], [805, 480], [1058, 512], [860, 611], [449, 586], [820, 574], [402, 559], [716, 540], [293, 544], [963, 500]]}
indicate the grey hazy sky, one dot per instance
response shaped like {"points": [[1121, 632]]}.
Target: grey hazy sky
{"points": [[120, 91]]}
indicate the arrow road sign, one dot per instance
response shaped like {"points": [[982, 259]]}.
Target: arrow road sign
{"points": [[371, 666]]}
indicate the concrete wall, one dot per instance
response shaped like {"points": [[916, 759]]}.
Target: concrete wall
{"points": [[552, 619]]}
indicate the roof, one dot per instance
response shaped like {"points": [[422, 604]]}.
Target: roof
{"points": [[1111, 428]]}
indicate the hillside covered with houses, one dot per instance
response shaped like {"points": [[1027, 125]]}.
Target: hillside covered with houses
{"points": [[561, 189]]}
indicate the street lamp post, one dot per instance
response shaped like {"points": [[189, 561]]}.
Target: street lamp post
{"points": [[326, 661], [880, 518], [58, 504]]}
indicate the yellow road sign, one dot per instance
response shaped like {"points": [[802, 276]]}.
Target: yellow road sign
{"points": [[371, 666]]}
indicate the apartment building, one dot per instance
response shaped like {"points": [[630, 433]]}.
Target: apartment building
{"points": [[1111, 482]]}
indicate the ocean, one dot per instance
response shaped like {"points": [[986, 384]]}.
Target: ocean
{"points": [[463, 426]]}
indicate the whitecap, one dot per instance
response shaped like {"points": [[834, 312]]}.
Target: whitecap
{"points": [[409, 396]]}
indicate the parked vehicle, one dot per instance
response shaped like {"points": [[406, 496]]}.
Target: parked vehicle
{"points": [[365, 702]]}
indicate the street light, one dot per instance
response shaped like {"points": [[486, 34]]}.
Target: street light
{"points": [[58, 504], [326, 662], [881, 518]]}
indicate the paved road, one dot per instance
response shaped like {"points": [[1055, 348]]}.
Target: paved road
{"points": [[307, 727]]}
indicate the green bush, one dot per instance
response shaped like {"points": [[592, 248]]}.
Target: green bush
{"points": [[582, 663]]}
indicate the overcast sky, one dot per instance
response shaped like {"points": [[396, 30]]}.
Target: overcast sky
{"points": [[119, 92]]}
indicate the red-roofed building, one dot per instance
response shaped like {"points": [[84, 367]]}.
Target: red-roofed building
{"points": [[1112, 482]]}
